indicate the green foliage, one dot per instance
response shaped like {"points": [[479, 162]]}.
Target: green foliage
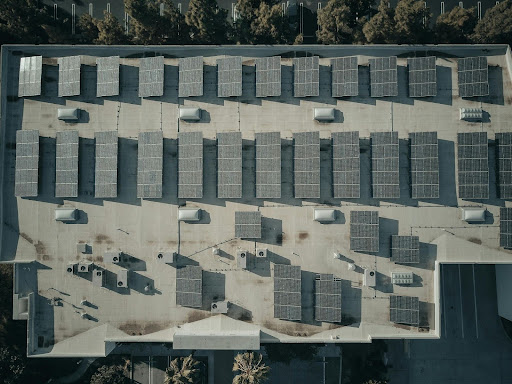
{"points": [[496, 25], [380, 29], [456, 26], [411, 22], [284, 353], [207, 22], [109, 374], [23, 21], [251, 368], [341, 21], [88, 28], [110, 31], [12, 366], [183, 370]]}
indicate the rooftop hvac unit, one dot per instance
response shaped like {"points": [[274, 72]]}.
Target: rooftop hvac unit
{"points": [[402, 278], [324, 215], [190, 114], [324, 114], [215, 251], [261, 252], [81, 248], [66, 214], [166, 257], [122, 278], [83, 267], [97, 277], [241, 259], [471, 114], [68, 114], [71, 268], [112, 257], [473, 215], [220, 307], [369, 278]]}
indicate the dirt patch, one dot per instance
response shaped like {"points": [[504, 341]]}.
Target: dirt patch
{"points": [[135, 328], [26, 237], [40, 248], [295, 329], [475, 240], [100, 239], [197, 315], [303, 235], [402, 326]]}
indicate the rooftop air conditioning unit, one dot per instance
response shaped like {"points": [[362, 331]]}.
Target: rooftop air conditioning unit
{"points": [[261, 252], [241, 259], [122, 278], [471, 114], [112, 257], [473, 215], [97, 277], [71, 268], [220, 307], [166, 257], [324, 114], [369, 278], [83, 267], [81, 247]]}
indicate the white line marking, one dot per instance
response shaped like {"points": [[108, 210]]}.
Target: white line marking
{"points": [[474, 296], [461, 314], [444, 301]]}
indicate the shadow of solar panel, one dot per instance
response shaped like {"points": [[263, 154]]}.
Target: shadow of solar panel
{"points": [[108, 76], [424, 165], [385, 165], [268, 165], [504, 141], [346, 165], [404, 310], [151, 76], [473, 76], [364, 231], [191, 76], [422, 76], [190, 165], [306, 76], [306, 165], [150, 165], [189, 282], [66, 164], [229, 76], [473, 165], [229, 165], [27, 163], [31, 69], [105, 171], [405, 249], [69, 76], [287, 292], [327, 298], [383, 77], [506, 227], [268, 76], [248, 225], [344, 76]]}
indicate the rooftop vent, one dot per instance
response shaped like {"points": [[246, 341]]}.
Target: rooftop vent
{"points": [[473, 215], [83, 267], [122, 278], [241, 259], [71, 268], [324, 114], [97, 277], [369, 278], [166, 257]]}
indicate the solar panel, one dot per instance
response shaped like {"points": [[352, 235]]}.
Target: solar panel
{"points": [[422, 76], [151, 76], [306, 164], [189, 286], [424, 165], [27, 163], [229, 165], [69, 76], [344, 73], [105, 172], [364, 231], [327, 298], [190, 165], [405, 249], [383, 77], [248, 225], [385, 165], [404, 310], [345, 165], [190, 76], [149, 165], [473, 76], [506, 227], [268, 165], [31, 69], [66, 164], [108, 76], [229, 72], [268, 76], [287, 292], [473, 165], [306, 76], [504, 164]]}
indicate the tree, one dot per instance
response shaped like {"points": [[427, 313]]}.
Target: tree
{"points": [[23, 21], [412, 19], [496, 25], [12, 366], [183, 370], [207, 22], [88, 28], [336, 23], [270, 26], [251, 368], [380, 29], [109, 374], [456, 26], [284, 353], [110, 31]]}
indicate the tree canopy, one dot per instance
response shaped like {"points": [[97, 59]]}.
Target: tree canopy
{"points": [[455, 26], [380, 29], [109, 374], [412, 20], [207, 22], [183, 370], [250, 368], [110, 31], [88, 28], [496, 25], [336, 22], [12, 366]]}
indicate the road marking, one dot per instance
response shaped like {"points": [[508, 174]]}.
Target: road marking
{"points": [[461, 314], [474, 297], [443, 299]]}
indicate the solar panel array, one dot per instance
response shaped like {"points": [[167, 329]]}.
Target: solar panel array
{"points": [[346, 165], [505, 164], [385, 165], [383, 77], [190, 76], [327, 298], [345, 78], [424, 165], [248, 225], [27, 163], [268, 165], [108, 76], [31, 69], [66, 164], [229, 165], [306, 76], [364, 231], [150, 165], [422, 76], [69, 76], [151, 76], [306, 165], [189, 286], [287, 292], [473, 165], [268, 76], [229, 72], [506, 227], [190, 165], [404, 310], [105, 172], [405, 249], [473, 76]]}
